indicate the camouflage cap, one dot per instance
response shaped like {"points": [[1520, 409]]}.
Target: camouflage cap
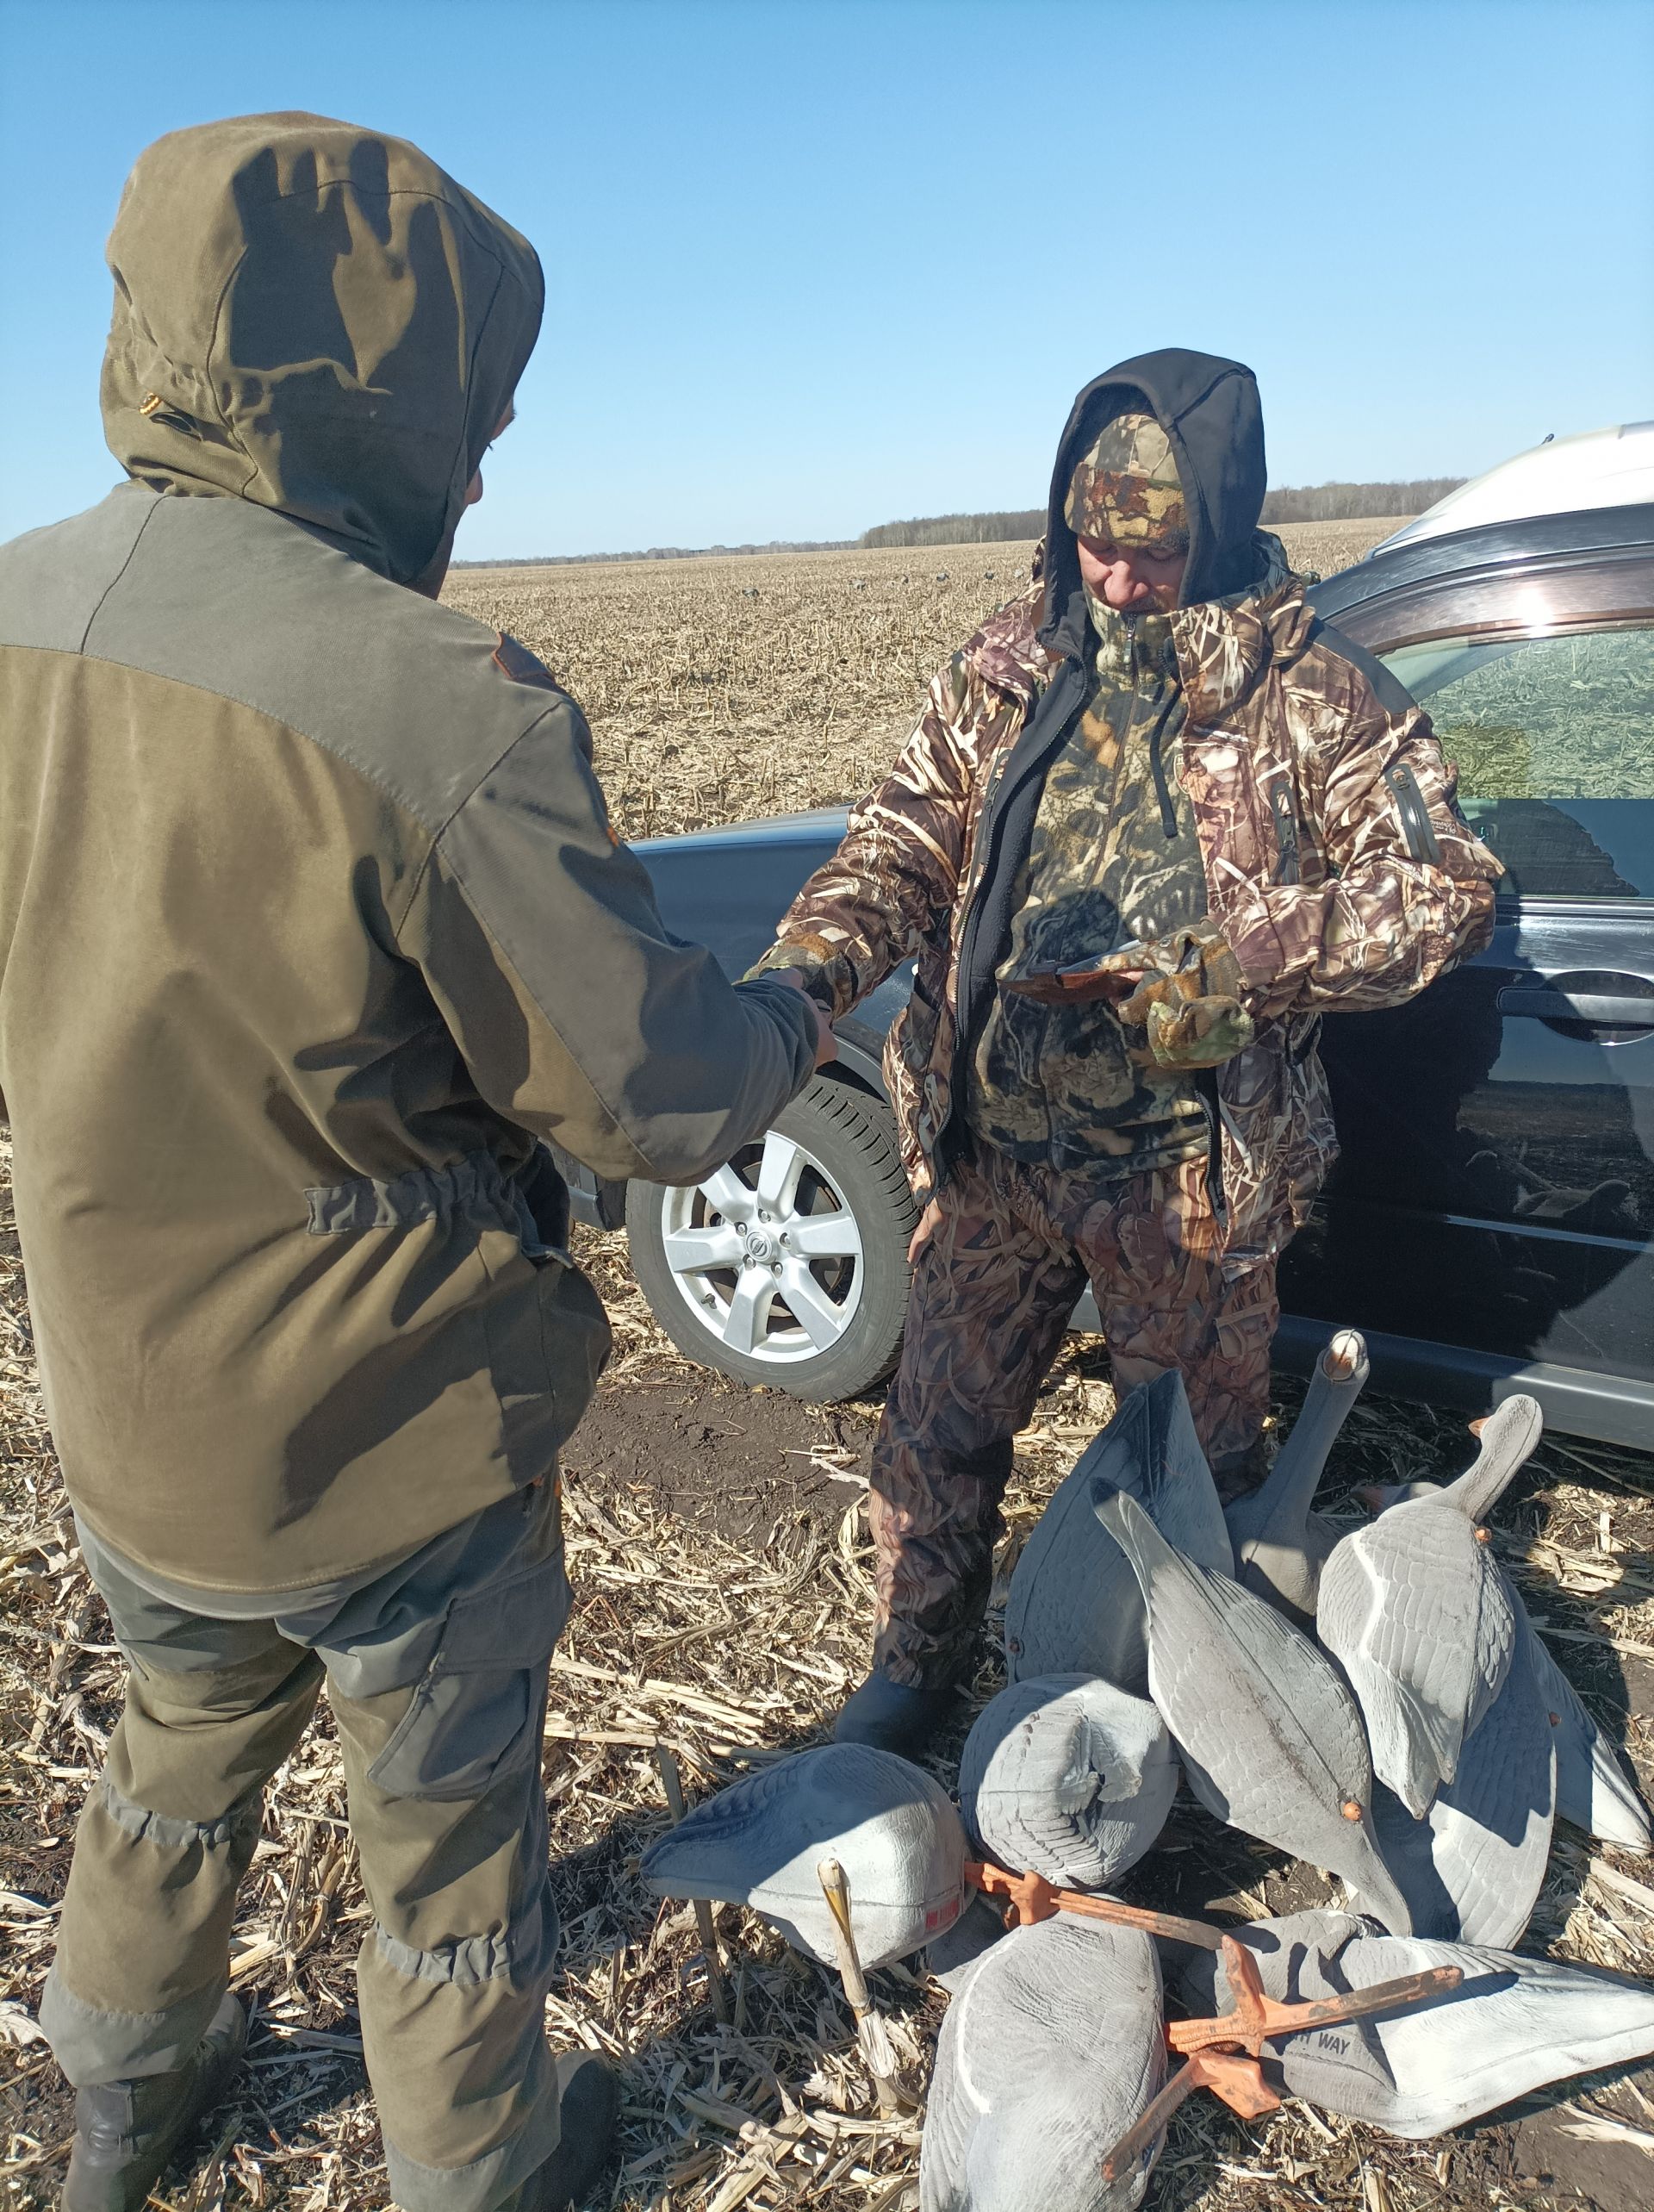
{"points": [[1127, 488]]}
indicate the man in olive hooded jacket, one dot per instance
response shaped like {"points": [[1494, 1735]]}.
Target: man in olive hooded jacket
{"points": [[312, 926]]}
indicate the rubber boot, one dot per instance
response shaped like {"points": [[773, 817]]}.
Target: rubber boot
{"points": [[588, 2107], [891, 1717], [126, 2131]]}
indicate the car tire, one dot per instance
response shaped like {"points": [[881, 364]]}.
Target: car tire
{"points": [[820, 1212]]}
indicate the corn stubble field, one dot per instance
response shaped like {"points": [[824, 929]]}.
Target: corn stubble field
{"points": [[723, 689]]}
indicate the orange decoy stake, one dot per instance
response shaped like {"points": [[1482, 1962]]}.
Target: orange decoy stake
{"points": [[1224, 2055]]}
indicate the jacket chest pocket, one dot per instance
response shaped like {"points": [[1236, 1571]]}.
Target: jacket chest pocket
{"points": [[1233, 818], [1250, 815]]}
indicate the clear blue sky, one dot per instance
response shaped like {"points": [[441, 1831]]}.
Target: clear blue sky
{"points": [[817, 263]]}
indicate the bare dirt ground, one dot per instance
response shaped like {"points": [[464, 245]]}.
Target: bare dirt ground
{"points": [[718, 1546]]}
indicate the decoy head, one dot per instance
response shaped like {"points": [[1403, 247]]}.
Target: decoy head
{"points": [[1345, 1356], [1506, 1440]]}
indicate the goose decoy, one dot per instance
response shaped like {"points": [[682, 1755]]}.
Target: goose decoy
{"points": [[1280, 1546], [1048, 2052], [1513, 2026], [1473, 1869], [892, 1827], [1271, 1738], [1073, 1607], [1067, 1776], [1594, 1790], [1416, 1612]]}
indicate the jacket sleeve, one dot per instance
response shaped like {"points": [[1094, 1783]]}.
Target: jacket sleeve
{"points": [[578, 1015], [1409, 892], [890, 887]]}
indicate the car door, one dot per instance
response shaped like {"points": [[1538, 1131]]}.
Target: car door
{"points": [[1494, 1205]]}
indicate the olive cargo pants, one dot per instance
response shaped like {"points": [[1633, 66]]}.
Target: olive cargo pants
{"points": [[992, 1290], [436, 1675]]}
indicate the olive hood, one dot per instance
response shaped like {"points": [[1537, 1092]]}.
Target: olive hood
{"points": [[318, 318], [1208, 409]]}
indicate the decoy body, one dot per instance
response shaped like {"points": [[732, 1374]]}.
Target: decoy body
{"points": [[892, 1827], [1280, 1546], [1417, 1613], [1593, 1788], [1512, 2025], [1073, 1606], [1473, 1869], [1049, 2051], [1067, 1776], [1270, 1739]]}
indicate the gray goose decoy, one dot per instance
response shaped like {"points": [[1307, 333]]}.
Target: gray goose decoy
{"points": [[1270, 1739], [1415, 1609], [1473, 1869], [892, 1827], [1280, 1546], [1513, 2026], [1073, 1607], [1594, 1790], [1066, 1777], [1051, 2048]]}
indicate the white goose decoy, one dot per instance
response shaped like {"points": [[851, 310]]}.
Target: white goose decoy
{"points": [[892, 1827], [1513, 2026], [1280, 1546], [1066, 1777], [1473, 1869], [1051, 2048], [1073, 1607], [1594, 1790], [1270, 1739], [1416, 1612]]}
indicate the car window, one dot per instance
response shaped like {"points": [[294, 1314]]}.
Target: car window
{"points": [[1554, 741]]}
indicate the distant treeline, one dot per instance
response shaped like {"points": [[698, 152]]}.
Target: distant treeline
{"points": [[1343, 502], [956, 530], [666, 553], [1329, 502]]}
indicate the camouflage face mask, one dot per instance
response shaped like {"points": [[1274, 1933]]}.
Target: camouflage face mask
{"points": [[1127, 488]]}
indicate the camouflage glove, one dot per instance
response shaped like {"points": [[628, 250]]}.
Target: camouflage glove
{"points": [[1188, 1006]]}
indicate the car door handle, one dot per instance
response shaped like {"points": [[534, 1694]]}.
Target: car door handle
{"points": [[1600, 1008]]}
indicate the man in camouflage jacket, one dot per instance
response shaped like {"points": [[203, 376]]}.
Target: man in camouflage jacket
{"points": [[1155, 819]]}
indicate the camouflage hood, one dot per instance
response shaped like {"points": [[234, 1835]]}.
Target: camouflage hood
{"points": [[316, 318], [1209, 410]]}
